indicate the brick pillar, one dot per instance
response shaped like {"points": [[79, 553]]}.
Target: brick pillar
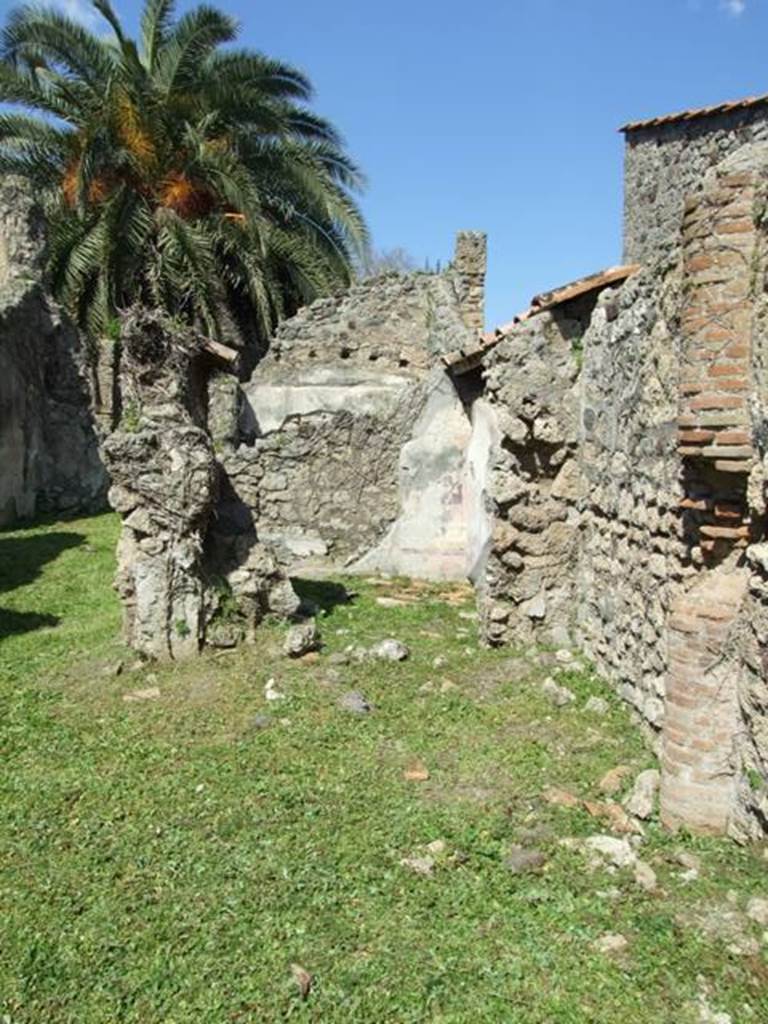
{"points": [[702, 723], [469, 264], [719, 244], [699, 754]]}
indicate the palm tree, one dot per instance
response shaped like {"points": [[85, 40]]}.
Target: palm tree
{"points": [[175, 172]]}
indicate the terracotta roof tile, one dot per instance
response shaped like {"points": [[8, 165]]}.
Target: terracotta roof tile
{"points": [[567, 292], [471, 356], [692, 115]]}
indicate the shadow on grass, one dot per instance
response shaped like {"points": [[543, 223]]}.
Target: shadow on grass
{"points": [[14, 623], [325, 595], [21, 562]]}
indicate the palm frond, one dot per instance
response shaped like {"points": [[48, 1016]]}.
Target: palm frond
{"points": [[193, 38], [35, 36], [174, 172], [264, 77], [156, 19]]}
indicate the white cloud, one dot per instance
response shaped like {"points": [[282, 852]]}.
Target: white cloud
{"points": [[734, 7]]}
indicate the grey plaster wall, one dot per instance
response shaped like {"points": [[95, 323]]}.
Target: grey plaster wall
{"points": [[664, 164], [327, 483], [430, 536]]}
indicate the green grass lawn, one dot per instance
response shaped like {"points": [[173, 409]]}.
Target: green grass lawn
{"points": [[166, 860]]}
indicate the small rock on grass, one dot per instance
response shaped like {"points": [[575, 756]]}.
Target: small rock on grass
{"points": [[301, 639], [355, 702], [417, 771], [271, 691], [339, 658], [419, 865], [642, 800], [709, 1016], [613, 780], [597, 706], [612, 942], [614, 814], [303, 980], [645, 876], [563, 657], [521, 860], [692, 865], [134, 696], [616, 852], [757, 910], [436, 848], [558, 695], [560, 797], [259, 722], [390, 650]]}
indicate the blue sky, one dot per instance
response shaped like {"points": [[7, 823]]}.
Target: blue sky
{"points": [[502, 114]]}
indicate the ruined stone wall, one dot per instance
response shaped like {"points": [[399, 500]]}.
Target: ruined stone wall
{"points": [[49, 458], [387, 323], [664, 582], [532, 385], [666, 163], [325, 483], [328, 460], [469, 276]]}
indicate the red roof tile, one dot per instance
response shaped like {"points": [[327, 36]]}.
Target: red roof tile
{"points": [[692, 115], [472, 355]]}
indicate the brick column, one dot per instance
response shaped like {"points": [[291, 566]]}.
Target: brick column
{"points": [[702, 723], [699, 757], [719, 240]]}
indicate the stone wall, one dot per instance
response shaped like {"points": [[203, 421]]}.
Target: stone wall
{"points": [[355, 440], [324, 484], [389, 323], [527, 585], [665, 163], [653, 552], [49, 458], [631, 551]]}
